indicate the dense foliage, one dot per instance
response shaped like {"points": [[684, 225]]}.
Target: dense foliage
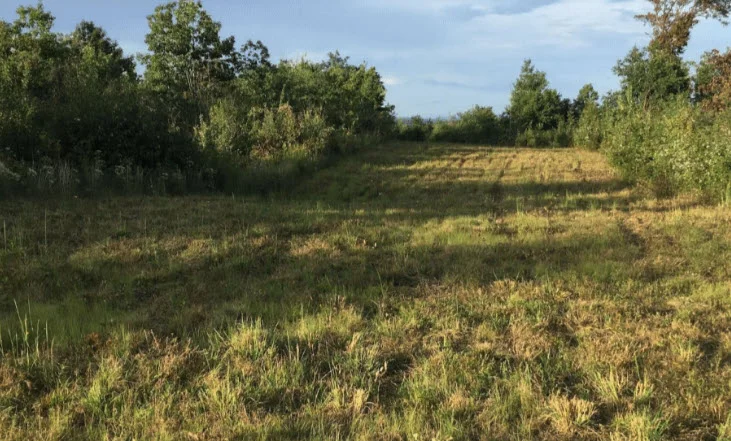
{"points": [[666, 127], [675, 147], [74, 112]]}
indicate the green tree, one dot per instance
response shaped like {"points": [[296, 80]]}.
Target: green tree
{"points": [[32, 59], [587, 95], [713, 80], [92, 43], [651, 75], [255, 56], [533, 104], [189, 64]]}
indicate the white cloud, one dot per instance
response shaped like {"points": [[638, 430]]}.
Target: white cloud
{"points": [[391, 81], [564, 23]]}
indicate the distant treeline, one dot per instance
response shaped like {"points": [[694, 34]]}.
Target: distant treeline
{"points": [[537, 116], [669, 125], [205, 115]]}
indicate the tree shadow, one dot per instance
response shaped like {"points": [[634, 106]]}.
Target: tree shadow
{"points": [[278, 282], [348, 232]]}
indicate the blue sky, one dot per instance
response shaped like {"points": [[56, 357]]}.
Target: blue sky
{"points": [[437, 57]]}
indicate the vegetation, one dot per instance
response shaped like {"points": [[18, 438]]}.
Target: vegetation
{"points": [[537, 117], [75, 117], [407, 292], [663, 128], [424, 288], [667, 127], [478, 125]]}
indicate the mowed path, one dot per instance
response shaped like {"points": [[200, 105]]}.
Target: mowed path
{"points": [[407, 292]]}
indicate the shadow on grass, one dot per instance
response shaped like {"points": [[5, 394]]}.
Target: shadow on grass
{"points": [[277, 284], [364, 220]]}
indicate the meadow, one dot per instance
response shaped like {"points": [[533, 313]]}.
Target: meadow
{"points": [[408, 292]]}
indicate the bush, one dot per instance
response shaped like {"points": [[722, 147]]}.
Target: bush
{"points": [[588, 132], [72, 108], [561, 136], [534, 138], [227, 129], [314, 132], [478, 125], [673, 148], [280, 133], [415, 129]]}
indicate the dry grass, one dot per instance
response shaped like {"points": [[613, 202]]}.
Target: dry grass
{"points": [[408, 293]]}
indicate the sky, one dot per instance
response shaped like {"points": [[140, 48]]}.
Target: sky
{"points": [[437, 57]]}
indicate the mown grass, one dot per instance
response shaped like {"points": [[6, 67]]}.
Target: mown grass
{"points": [[410, 292]]}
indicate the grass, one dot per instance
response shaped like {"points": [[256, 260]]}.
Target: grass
{"points": [[409, 292]]}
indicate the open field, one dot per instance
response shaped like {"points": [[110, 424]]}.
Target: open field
{"points": [[410, 292]]}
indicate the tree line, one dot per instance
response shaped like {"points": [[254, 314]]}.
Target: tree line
{"points": [[668, 125], [206, 114], [536, 116]]}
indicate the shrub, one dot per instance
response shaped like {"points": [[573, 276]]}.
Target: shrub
{"points": [[561, 136], [314, 132], [588, 132], [477, 125], [534, 138], [280, 132], [274, 131], [6, 173], [227, 129], [415, 129], [75, 102], [676, 147]]}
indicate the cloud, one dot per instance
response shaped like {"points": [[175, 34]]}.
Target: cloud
{"points": [[428, 6], [568, 23], [391, 81], [507, 24], [456, 80], [454, 85]]}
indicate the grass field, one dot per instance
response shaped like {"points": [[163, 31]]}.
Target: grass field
{"points": [[409, 292]]}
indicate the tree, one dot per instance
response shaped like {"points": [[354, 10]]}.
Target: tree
{"points": [[92, 42], [713, 81], [587, 95], [532, 103], [255, 56], [672, 21], [32, 59], [651, 75], [188, 62]]}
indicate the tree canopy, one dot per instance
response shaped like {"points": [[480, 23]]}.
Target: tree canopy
{"points": [[672, 20], [532, 103]]}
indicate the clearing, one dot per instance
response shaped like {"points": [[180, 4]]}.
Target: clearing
{"points": [[408, 292]]}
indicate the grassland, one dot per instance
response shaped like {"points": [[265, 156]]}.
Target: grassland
{"points": [[409, 292]]}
